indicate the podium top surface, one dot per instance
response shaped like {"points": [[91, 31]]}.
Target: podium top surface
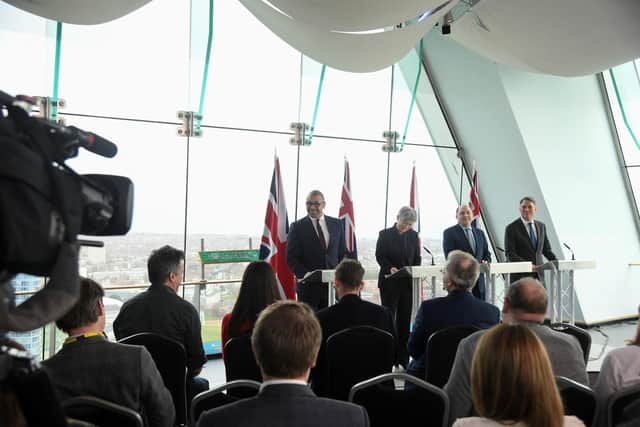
{"points": [[568, 265], [423, 271], [369, 274], [509, 267]]}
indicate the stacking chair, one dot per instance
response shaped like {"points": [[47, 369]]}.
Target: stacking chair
{"points": [[387, 406], [441, 351], [623, 407], [584, 338], [101, 412], [219, 396], [356, 354], [577, 399], [171, 361], [240, 364]]}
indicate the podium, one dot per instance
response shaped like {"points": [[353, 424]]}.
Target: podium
{"points": [[417, 273], [328, 276], [493, 269], [561, 292]]}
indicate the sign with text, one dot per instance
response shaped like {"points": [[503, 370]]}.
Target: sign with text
{"points": [[221, 257]]}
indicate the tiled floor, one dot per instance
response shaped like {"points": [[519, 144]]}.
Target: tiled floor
{"points": [[604, 339]]}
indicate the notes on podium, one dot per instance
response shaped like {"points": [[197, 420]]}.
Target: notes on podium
{"points": [[403, 273], [314, 276]]}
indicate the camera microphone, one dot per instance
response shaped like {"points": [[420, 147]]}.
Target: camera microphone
{"points": [[94, 143]]}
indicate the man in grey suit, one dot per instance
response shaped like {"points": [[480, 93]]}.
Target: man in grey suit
{"points": [[88, 364], [525, 239], [525, 303], [285, 340]]}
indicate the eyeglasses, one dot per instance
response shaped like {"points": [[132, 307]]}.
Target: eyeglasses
{"points": [[314, 203]]}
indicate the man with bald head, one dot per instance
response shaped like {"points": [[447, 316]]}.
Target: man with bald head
{"points": [[468, 239], [525, 303]]}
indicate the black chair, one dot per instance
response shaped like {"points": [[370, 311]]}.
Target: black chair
{"points": [[171, 361], [219, 396], [389, 406], [441, 351], [584, 338], [623, 407], [578, 399], [240, 364], [356, 354], [101, 412]]}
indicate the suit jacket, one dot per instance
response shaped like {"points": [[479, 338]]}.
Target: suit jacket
{"points": [[284, 405], [396, 250], [454, 238], [304, 250], [456, 309], [350, 311], [564, 351], [517, 245], [120, 373]]}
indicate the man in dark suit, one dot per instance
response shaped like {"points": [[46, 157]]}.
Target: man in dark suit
{"points": [[315, 242], [285, 341], [468, 239], [88, 364], [350, 311], [458, 308], [525, 239]]}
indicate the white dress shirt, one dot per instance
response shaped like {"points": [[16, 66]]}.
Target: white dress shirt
{"points": [[323, 227]]}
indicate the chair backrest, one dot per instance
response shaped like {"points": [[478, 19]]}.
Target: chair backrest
{"points": [[623, 407], [578, 399], [101, 412], [388, 406], [356, 354], [219, 396], [441, 351], [584, 338], [171, 360], [240, 363]]}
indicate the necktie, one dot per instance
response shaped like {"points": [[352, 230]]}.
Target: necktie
{"points": [[472, 241], [532, 236], [323, 242]]}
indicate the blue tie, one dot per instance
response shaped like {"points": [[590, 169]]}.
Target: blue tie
{"points": [[532, 236]]}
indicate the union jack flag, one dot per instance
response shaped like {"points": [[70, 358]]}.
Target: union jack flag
{"points": [[474, 199], [346, 214], [273, 247]]}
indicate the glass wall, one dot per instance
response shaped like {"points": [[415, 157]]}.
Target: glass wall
{"points": [[126, 81]]}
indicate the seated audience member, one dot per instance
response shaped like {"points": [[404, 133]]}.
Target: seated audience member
{"points": [[458, 308], [258, 289], [162, 311], [349, 311], [286, 340], [620, 369], [525, 303], [88, 364], [512, 383]]}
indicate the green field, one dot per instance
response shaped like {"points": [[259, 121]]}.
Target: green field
{"points": [[211, 330]]}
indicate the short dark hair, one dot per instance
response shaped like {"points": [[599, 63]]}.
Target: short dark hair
{"points": [[528, 296], [163, 261], [85, 311], [286, 339], [528, 199], [350, 273]]}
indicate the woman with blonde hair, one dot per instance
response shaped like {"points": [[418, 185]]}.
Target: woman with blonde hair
{"points": [[512, 383]]}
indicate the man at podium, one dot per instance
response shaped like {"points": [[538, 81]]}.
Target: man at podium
{"points": [[315, 242], [525, 239]]}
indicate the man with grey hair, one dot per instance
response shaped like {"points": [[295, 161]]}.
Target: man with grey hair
{"points": [[315, 242], [398, 247], [525, 303], [458, 308]]}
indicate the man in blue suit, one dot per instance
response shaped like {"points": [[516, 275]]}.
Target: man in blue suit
{"points": [[468, 239], [456, 309], [315, 242]]}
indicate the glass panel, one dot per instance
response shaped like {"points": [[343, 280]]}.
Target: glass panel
{"points": [[634, 177], [32, 341], [628, 86]]}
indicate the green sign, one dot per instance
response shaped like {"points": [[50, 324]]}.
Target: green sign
{"points": [[221, 257]]}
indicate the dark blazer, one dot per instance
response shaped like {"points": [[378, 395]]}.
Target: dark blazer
{"points": [[396, 250], [350, 311], [304, 251], [454, 238], [457, 308], [517, 245], [120, 373], [284, 405]]}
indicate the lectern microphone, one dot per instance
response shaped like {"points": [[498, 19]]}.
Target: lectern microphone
{"points": [[433, 262], [573, 257]]}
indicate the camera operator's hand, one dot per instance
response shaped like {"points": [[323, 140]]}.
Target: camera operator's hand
{"points": [[50, 302]]}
